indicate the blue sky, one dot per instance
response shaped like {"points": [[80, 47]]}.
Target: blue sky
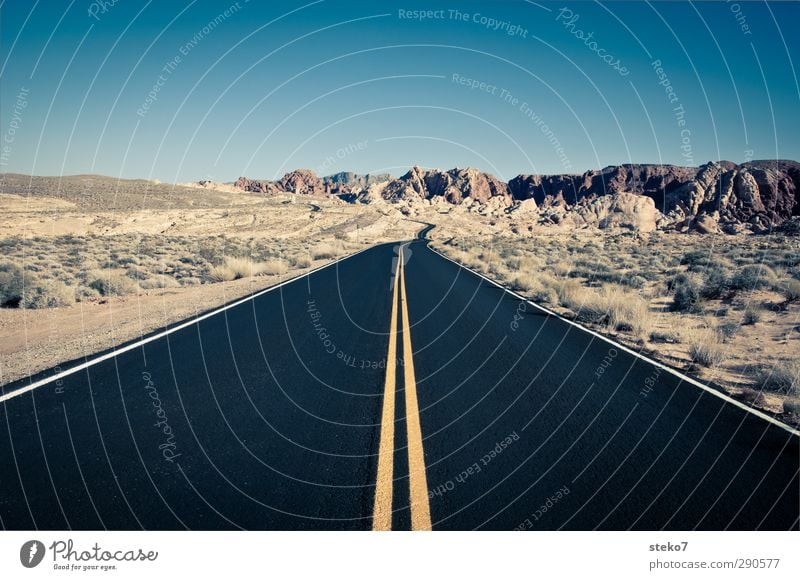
{"points": [[260, 88]]}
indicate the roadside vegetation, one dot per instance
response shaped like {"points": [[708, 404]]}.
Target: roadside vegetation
{"points": [[60, 271], [723, 309]]}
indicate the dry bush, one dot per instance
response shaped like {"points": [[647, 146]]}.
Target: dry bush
{"points": [[274, 268], [12, 281], [562, 268], [545, 294], [728, 330], [111, 283], [234, 269], [612, 305], [524, 282], [47, 294], [783, 378], [498, 270], [790, 288], [704, 347], [752, 314], [668, 336], [158, 281], [687, 298], [571, 293], [244, 267], [326, 250], [754, 277], [472, 259], [627, 311], [300, 261]]}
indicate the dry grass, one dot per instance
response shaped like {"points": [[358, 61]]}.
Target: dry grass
{"points": [[790, 288], [327, 250], [706, 304], [274, 268], [111, 283], [47, 294], [783, 377], [234, 268], [60, 270], [704, 347]]}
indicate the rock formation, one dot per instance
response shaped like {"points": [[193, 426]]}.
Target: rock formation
{"points": [[349, 182], [718, 196], [454, 185]]}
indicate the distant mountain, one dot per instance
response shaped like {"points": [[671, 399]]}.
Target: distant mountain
{"points": [[454, 185], [717, 196], [348, 182]]}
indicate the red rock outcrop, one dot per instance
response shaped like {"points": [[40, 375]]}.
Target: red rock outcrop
{"points": [[454, 185]]}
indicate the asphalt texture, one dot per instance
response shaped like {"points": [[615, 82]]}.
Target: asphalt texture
{"points": [[268, 416]]}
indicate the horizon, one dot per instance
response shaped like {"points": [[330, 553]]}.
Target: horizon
{"points": [[214, 90], [401, 173]]}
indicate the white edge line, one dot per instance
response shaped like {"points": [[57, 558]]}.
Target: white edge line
{"points": [[639, 355], [186, 324]]}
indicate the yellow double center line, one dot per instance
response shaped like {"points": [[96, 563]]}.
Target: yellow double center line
{"points": [[418, 481]]}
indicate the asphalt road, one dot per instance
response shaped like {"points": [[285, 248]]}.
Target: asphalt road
{"points": [[273, 414]]}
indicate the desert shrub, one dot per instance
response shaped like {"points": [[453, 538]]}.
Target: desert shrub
{"points": [[159, 281], [665, 336], [727, 330], [221, 273], [697, 258], [111, 283], [471, 260], [136, 273], [85, 293], [244, 267], [571, 294], [678, 279], [687, 298], [545, 295], [126, 260], [498, 270], [753, 277], [524, 282], [626, 311], [301, 261], [715, 283], [636, 281], [562, 268], [790, 288], [752, 314], [47, 294], [274, 268], [325, 251], [612, 305], [591, 312], [12, 281], [781, 378], [705, 348]]}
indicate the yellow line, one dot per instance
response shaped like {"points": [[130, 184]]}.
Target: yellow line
{"points": [[418, 481], [382, 512]]}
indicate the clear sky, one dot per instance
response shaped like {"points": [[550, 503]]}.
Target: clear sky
{"points": [[181, 91]]}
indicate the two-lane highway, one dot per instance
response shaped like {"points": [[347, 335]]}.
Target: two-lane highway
{"points": [[391, 390]]}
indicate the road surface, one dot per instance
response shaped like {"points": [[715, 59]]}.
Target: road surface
{"points": [[386, 393]]}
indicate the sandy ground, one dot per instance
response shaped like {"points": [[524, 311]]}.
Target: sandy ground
{"points": [[35, 340]]}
